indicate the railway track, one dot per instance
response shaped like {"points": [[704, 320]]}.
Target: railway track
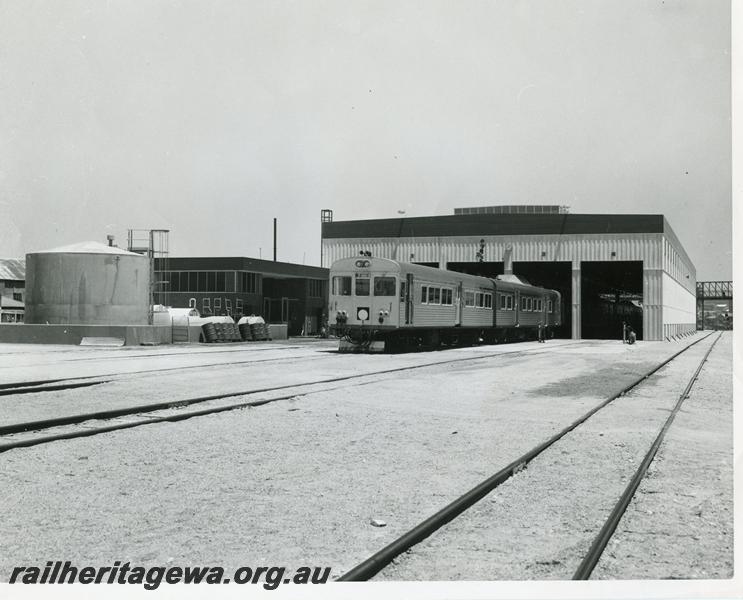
{"points": [[377, 562], [25, 387], [49, 385], [35, 432], [244, 347], [44, 385]]}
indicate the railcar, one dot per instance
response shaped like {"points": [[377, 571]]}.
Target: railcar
{"points": [[378, 303]]}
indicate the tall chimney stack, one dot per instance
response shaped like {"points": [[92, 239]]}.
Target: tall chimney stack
{"points": [[274, 239]]}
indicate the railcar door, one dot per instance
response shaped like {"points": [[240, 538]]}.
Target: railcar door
{"points": [[458, 305], [408, 299]]}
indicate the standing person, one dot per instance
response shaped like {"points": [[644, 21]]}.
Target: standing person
{"points": [[624, 332], [540, 333], [631, 335]]}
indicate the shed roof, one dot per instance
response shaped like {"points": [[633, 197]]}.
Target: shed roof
{"points": [[7, 302], [13, 269], [493, 224], [269, 268]]}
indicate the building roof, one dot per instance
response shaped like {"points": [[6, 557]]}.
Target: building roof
{"points": [[87, 248], [494, 224], [268, 268], [13, 269], [6, 302]]}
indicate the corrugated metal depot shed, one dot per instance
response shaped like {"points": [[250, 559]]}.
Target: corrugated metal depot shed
{"points": [[580, 242]]}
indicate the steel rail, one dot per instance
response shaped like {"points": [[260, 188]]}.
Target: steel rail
{"points": [[219, 349], [598, 546], [41, 425], [21, 384], [379, 560], [35, 389]]}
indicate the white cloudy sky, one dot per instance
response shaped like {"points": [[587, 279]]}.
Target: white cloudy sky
{"points": [[211, 118]]}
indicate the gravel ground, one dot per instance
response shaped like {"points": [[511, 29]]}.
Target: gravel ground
{"points": [[89, 363], [680, 522], [236, 373], [298, 482], [540, 523]]}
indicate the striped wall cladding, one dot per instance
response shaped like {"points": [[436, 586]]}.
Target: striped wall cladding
{"points": [[646, 247]]}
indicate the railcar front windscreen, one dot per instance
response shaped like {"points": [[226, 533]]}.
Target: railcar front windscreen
{"points": [[341, 286], [384, 286]]}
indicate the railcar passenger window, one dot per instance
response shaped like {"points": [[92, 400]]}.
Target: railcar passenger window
{"points": [[362, 285], [549, 306], [503, 302], [446, 296], [384, 286], [469, 298], [509, 302], [436, 295], [402, 291], [341, 286], [424, 294], [489, 301], [480, 301], [528, 304]]}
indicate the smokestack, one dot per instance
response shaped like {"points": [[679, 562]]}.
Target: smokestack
{"points": [[110, 239], [274, 239], [507, 261]]}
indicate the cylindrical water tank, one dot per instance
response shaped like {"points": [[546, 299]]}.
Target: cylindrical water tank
{"points": [[87, 283]]}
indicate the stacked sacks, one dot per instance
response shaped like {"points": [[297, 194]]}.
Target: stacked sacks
{"points": [[254, 327], [220, 329], [244, 328]]}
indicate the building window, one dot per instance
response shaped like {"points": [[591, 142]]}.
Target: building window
{"points": [[217, 304], [315, 288], [239, 305], [228, 306], [205, 305], [17, 296], [249, 283]]}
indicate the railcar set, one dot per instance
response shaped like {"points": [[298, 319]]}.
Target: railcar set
{"points": [[381, 304]]}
